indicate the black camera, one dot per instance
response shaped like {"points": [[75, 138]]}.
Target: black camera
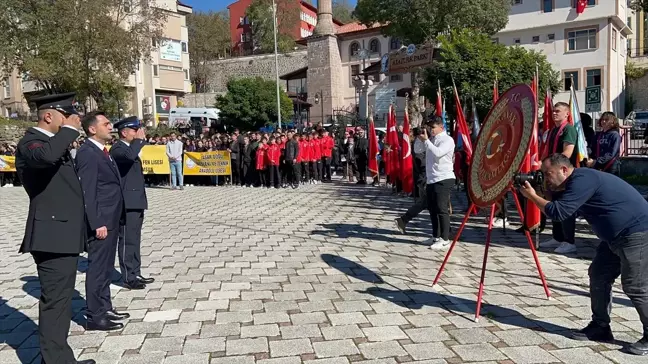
{"points": [[535, 179]]}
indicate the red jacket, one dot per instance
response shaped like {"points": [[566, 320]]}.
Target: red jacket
{"points": [[317, 150], [282, 146], [304, 151], [261, 157], [327, 146], [273, 154]]}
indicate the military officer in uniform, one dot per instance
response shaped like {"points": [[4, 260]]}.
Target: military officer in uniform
{"points": [[55, 232], [132, 138]]}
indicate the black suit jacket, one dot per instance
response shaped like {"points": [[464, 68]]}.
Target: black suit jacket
{"points": [[56, 221], [104, 200], [131, 172]]}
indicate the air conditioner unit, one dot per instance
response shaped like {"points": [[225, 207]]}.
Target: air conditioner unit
{"points": [[147, 110], [148, 101]]}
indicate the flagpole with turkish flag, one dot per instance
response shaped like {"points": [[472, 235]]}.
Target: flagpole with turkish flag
{"points": [[386, 150], [439, 104], [547, 123], [394, 145], [495, 91], [373, 149], [407, 166], [532, 214], [462, 126]]}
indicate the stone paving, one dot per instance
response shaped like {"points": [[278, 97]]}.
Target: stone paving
{"points": [[319, 276]]}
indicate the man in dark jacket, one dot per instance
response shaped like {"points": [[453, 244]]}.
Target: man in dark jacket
{"points": [[55, 232], [247, 153], [292, 152], [126, 155], [361, 152]]}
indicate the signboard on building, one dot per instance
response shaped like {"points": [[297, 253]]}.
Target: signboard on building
{"points": [[411, 58], [163, 104], [593, 99], [171, 50], [384, 98]]}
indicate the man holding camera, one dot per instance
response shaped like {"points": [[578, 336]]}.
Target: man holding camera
{"points": [[440, 175], [619, 217]]}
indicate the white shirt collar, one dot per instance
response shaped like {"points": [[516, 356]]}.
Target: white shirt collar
{"points": [[46, 132], [125, 142], [98, 144]]}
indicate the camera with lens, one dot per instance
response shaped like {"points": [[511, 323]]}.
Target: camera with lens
{"points": [[535, 179]]}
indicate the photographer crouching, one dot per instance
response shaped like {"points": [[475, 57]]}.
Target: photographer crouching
{"points": [[618, 215]]}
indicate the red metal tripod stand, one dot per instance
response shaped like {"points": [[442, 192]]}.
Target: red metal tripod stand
{"points": [[471, 209]]}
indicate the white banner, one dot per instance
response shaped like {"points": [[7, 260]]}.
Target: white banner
{"points": [[171, 50]]}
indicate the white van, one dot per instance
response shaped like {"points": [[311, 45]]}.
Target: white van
{"points": [[185, 115]]}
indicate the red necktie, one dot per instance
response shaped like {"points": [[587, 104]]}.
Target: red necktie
{"points": [[106, 153]]}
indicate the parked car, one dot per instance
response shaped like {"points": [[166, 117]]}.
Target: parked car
{"points": [[638, 120]]}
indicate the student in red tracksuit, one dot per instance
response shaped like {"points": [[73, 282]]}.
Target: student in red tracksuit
{"points": [[304, 156], [272, 157], [317, 157], [327, 154], [261, 163]]}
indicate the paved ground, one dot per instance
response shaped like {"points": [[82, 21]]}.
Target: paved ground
{"points": [[319, 276]]}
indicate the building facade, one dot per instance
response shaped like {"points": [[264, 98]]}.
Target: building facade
{"points": [[153, 87], [241, 30], [588, 49]]}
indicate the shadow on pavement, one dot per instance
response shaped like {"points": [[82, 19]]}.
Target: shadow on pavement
{"points": [[19, 332], [32, 287]]}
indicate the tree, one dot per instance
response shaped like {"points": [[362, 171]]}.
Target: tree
{"points": [[639, 5], [260, 16], [251, 103], [343, 11], [209, 39], [473, 60], [90, 49], [422, 21]]}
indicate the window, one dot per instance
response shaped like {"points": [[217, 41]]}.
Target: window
{"points": [[536, 38], [355, 70], [516, 2], [169, 68], [551, 37], [155, 70], [589, 3], [516, 41], [354, 49], [395, 78], [615, 35], [593, 77], [570, 79], [374, 46], [629, 22], [581, 40], [7, 88], [186, 73], [184, 47], [547, 6], [495, 40], [394, 44]]}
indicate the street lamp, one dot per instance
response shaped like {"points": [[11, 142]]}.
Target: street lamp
{"points": [[319, 99], [274, 21]]}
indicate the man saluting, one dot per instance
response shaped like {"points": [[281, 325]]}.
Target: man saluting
{"points": [[126, 152], [55, 231]]}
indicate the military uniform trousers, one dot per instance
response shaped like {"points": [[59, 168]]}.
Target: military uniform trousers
{"points": [[130, 238], [101, 263], [57, 275]]}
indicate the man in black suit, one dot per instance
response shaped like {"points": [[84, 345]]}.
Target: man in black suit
{"points": [[55, 234], [362, 156], [104, 208], [125, 153]]}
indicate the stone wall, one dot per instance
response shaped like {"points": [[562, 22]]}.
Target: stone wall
{"points": [[636, 93], [13, 133], [207, 99], [253, 66]]}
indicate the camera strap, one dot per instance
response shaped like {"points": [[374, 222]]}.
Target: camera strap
{"points": [[557, 136]]}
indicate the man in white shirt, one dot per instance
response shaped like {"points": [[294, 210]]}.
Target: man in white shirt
{"points": [[174, 148], [440, 175]]}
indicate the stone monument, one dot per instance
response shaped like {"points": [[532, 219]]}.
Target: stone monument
{"points": [[324, 65]]}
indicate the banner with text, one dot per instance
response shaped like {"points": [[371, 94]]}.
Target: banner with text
{"points": [[7, 163], [215, 163], [154, 159]]}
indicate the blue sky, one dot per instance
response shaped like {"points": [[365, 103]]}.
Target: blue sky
{"points": [[217, 5]]}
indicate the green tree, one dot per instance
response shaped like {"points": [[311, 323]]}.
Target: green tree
{"points": [[639, 5], [90, 49], [260, 16], [473, 61], [209, 39], [251, 103], [343, 11], [422, 21]]}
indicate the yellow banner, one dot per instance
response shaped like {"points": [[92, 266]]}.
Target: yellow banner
{"points": [[7, 163], [154, 159], [215, 163]]}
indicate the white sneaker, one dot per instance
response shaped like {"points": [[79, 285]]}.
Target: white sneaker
{"points": [[498, 221], [440, 244], [565, 248], [431, 241], [551, 243]]}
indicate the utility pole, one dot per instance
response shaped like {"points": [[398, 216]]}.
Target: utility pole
{"points": [[274, 20]]}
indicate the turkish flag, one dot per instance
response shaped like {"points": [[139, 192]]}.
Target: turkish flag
{"points": [[580, 6], [532, 163], [373, 149], [439, 105], [394, 144], [407, 166]]}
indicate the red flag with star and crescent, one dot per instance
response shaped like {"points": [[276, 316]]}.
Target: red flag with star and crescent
{"points": [[580, 6], [373, 149], [407, 166]]}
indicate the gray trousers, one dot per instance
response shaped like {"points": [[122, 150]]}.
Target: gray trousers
{"points": [[626, 257], [420, 205]]}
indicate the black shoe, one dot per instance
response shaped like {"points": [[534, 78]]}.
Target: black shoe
{"points": [[103, 325], [594, 332], [87, 361], [145, 280], [117, 316], [134, 285], [640, 347], [400, 225]]}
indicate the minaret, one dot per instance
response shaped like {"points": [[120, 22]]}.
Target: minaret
{"points": [[324, 66]]}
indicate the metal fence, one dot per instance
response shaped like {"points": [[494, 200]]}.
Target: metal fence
{"points": [[632, 144]]}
